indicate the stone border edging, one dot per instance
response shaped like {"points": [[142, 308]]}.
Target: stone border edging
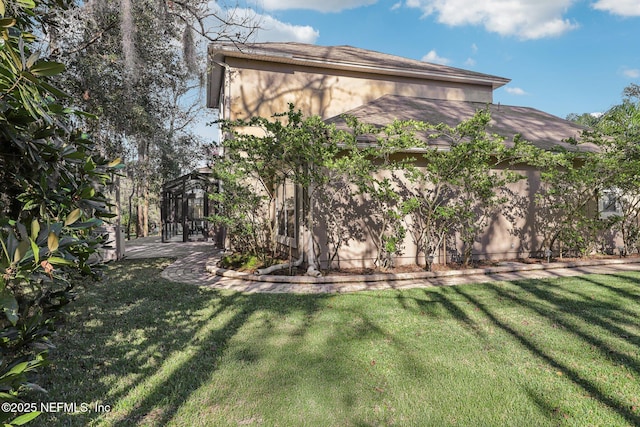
{"points": [[381, 277]]}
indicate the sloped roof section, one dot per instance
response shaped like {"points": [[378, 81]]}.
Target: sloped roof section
{"points": [[346, 58], [543, 130]]}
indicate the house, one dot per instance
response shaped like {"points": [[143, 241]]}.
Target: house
{"points": [[262, 79], [259, 79]]}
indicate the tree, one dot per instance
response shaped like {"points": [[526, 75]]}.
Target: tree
{"points": [[50, 199], [585, 119], [374, 173], [460, 185], [580, 184], [618, 134], [139, 66], [271, 152], [455, 191], [566, 214]]}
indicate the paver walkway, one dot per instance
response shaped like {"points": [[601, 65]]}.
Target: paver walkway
{"points": [[190, 268]]}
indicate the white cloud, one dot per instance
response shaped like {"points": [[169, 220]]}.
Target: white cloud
{"points": [[526, 19], [319, 5], [433, 57], [474, 48], [396, 6], [633, 73], [272, 30], [619, 7], [516, 91], [269, 29]]}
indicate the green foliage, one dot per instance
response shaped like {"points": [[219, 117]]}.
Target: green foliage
{"points": [[454, 193], [125, 66], [573, 183], [241, 211], [385, 219], [261, 156], [241, 262], [618, 133], [566, 215], [50, 200], [458, 183], [457, 190], [585, 119], [372, 169]]}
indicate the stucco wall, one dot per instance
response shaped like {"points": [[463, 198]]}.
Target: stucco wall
{"points": [[262, 88], [511, 231]]}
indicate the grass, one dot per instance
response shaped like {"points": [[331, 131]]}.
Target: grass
{"points": [[241, 262], [563, 352]]}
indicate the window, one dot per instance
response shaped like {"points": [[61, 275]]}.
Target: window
{"points": [[286, 211], [609, 203]]}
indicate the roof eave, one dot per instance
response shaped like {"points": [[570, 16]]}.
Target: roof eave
{"points": [[215, 79], [264, 55]]}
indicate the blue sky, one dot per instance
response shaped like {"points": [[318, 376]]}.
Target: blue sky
{"points": [[563, 56]]}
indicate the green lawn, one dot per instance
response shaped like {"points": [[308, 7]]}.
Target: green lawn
{"points": [[531, 353]]}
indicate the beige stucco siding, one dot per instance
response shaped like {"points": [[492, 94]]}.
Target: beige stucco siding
{"points": [[376, 88], [260, 88], [510, 232]]}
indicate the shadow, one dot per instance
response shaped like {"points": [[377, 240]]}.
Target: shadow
{"points": [[157, 345], [543, 130], [551, 306], [623, 293], [152, 349], [337, 215], [597, 322], [519, 212], [156, 350]]}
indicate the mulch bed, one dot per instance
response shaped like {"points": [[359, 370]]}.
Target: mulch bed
{"points": [[458, 266], [450, 266]]}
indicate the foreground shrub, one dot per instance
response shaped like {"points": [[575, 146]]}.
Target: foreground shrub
{"points": [[50, 201]]}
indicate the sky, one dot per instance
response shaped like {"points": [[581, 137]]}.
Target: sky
{"points": [[562, 56]]}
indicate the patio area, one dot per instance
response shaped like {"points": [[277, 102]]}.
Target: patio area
{"points": [[196, 265]]}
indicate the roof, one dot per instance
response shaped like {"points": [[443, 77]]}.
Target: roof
{"points": [[190, 181], [543, 130], [341, 58]]}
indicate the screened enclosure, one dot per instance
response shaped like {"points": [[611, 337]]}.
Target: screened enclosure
{"points": [[185, 207]]}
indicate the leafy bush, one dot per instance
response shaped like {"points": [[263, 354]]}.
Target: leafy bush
{"points": [[50, 200], [241, 262]]}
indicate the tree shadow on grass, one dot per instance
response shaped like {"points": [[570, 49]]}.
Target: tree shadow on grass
{"points": [[628, 277], [151, 348], [143, 345], [553, 312], [561, 307], [604, 322], [431, 303]]}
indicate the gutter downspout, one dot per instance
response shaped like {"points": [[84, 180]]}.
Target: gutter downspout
{"points": [[226, 114], [277, 267], [309, 254]]}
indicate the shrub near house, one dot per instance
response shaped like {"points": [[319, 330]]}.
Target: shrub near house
{"points": [[343, 85], [409, 186]]}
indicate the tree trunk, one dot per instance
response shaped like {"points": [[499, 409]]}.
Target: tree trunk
{"points": [[130, 211], [140, 231], [142, 226], [118, 206]]}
